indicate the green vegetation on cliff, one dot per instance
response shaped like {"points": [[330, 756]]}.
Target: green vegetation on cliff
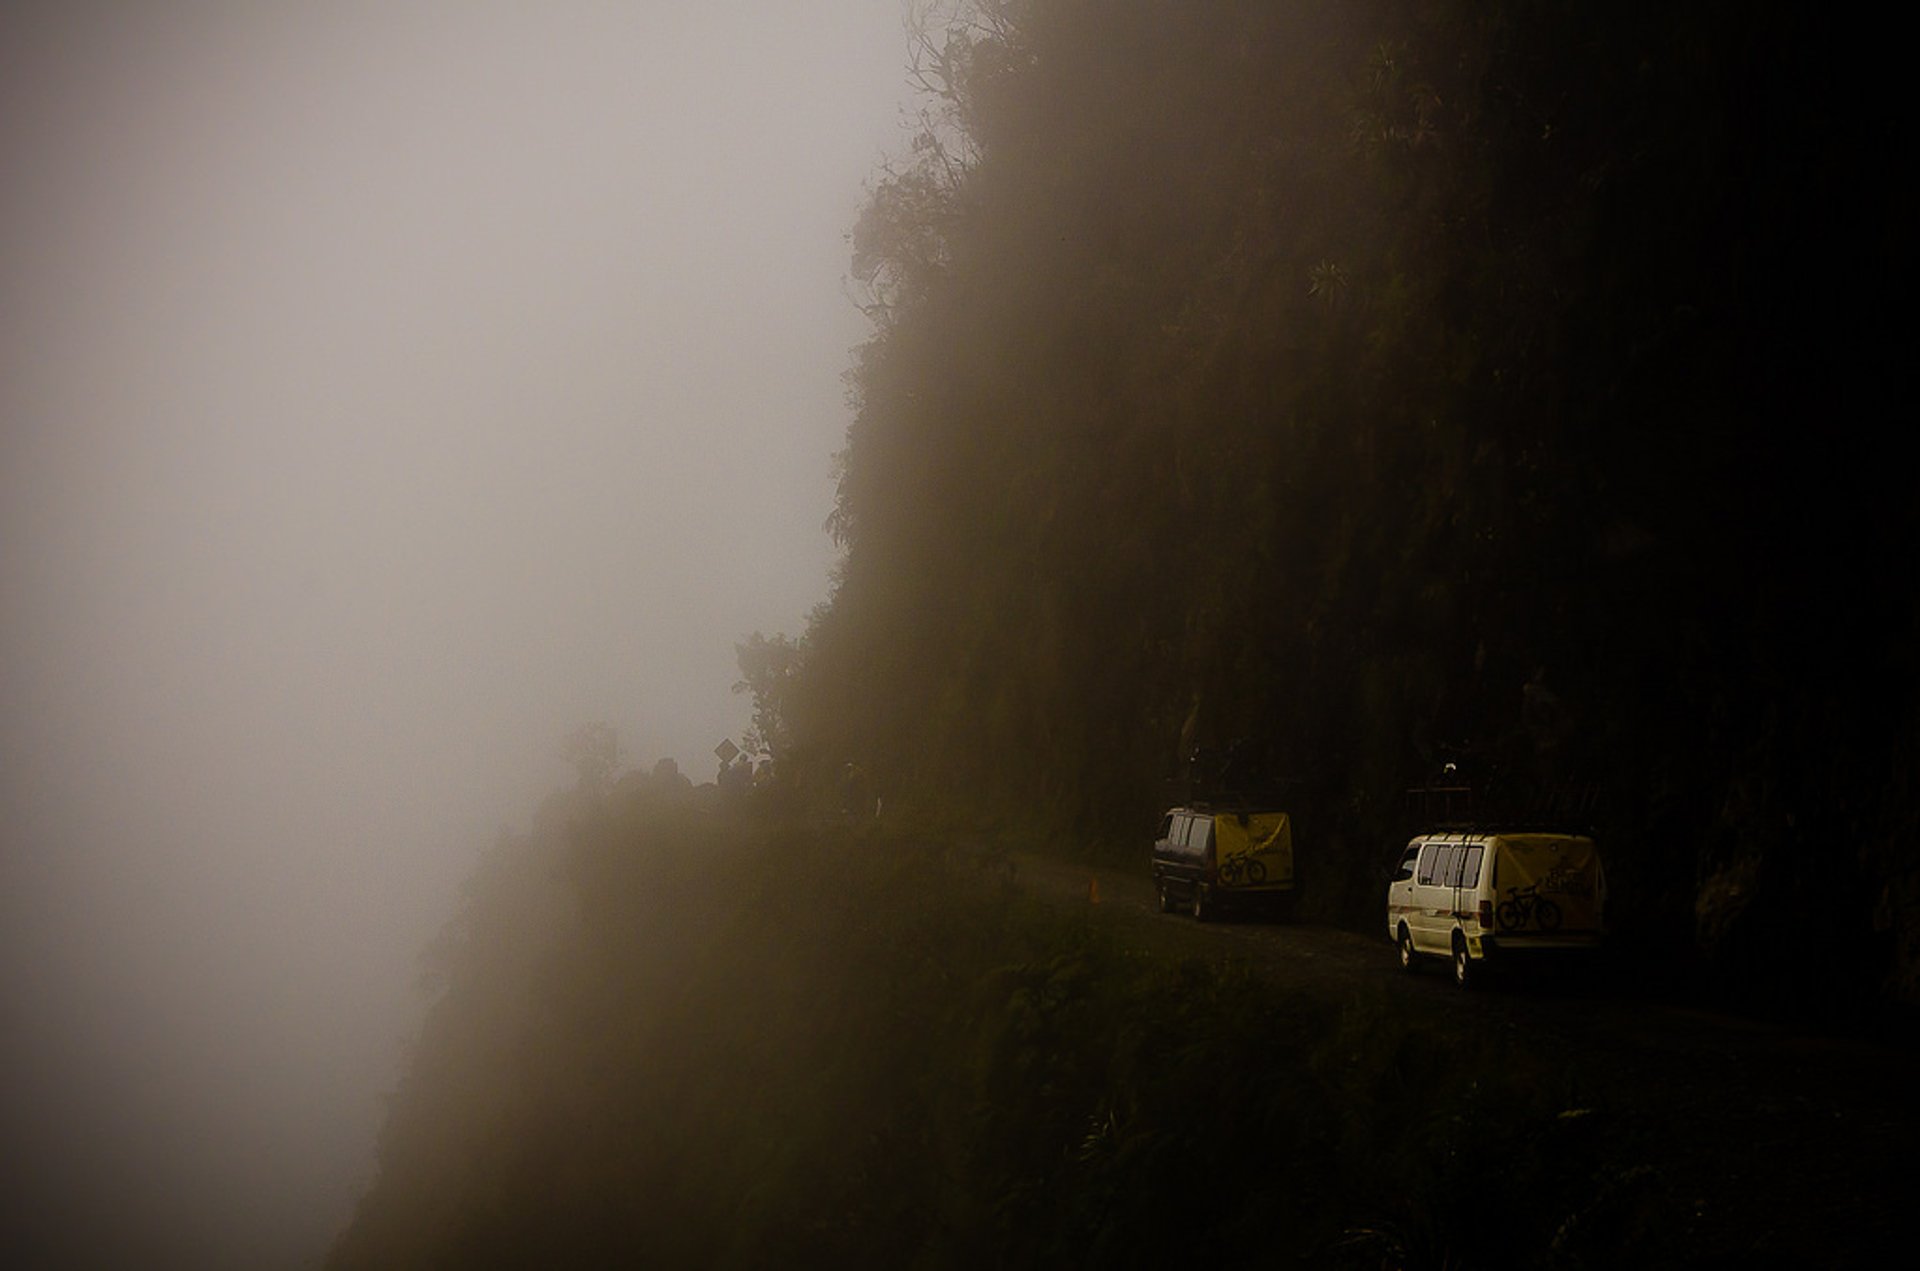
{"points": [[672, 1037], [1371, 383], [1379, 384]]}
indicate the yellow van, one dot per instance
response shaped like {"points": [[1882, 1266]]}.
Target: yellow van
{"points": [[1206, 860], [1470, 896]]}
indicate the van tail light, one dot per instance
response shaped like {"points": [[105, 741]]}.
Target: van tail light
{"points": [[1486, 915]]}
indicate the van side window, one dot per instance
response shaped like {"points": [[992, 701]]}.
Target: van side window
{"points": [[1470, 872], [1202, 832], [1429, 863]]}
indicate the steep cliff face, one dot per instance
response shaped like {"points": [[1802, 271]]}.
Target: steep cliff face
{"points": [[1381, 383]]}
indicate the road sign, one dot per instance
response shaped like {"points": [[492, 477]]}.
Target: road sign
{"points": [[726, 750]]}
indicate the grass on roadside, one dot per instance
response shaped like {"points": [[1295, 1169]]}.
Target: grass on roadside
{"points": [[755, 1043]]}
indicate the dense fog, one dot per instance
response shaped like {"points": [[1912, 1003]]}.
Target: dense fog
{"points": [[1052, 412], [385, 394]]}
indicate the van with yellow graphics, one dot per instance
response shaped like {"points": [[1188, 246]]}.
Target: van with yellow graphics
{"points": [[1474, 896], [1206, 860]]}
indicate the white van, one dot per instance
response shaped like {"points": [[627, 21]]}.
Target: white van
{"points": [[1471, 895]]}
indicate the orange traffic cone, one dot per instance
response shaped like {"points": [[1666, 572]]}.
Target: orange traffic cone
{"points": [[1093, 889]]}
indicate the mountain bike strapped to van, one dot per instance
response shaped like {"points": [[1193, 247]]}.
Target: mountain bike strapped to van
{"points": [[1526, 905], [1242, 867]]}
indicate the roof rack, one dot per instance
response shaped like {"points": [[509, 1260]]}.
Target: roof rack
{"points": [[1462, 807], [1514, 825], [1421, 801], [1244, 807]]}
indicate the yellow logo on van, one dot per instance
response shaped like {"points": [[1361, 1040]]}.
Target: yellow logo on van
{"points": [[1256, 854], [1548, 882]]}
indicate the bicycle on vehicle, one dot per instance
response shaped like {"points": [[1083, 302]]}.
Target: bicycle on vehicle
{"points": [[1242, 867], [1526, 905]]}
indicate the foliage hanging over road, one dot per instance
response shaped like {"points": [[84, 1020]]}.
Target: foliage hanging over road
{"points": [[1380, 384]]}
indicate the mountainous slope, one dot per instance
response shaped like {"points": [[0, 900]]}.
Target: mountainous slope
{"points": [[671, 1035], [1360, 388]]}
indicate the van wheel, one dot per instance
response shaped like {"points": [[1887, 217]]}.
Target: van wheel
{"points": [[1406, 948], [1202, 904], [1463, 972], [1166, 900]]}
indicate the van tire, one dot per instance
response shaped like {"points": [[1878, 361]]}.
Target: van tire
{"points": [[1405, 943], [1202, 903], [1166, 900], [1463, 969]]}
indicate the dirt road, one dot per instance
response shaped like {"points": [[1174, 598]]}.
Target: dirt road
{"points": [[1798, 1147]]}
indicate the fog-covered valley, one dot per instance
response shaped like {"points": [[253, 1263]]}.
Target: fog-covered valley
{"points": [[387, 392]]}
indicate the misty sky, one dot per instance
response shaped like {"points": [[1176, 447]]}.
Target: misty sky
{"points": [[386, 389]]}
